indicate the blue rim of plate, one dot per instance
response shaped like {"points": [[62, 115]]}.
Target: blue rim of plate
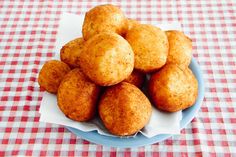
{"points": [[139, 139]]}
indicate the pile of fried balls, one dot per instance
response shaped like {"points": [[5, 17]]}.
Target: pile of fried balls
{"points": [[104, 72]]}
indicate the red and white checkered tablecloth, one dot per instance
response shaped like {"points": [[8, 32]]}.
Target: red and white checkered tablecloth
{"points": [[27, 38]]}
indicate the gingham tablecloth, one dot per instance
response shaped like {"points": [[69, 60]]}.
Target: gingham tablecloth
{"points": [[27, 38]]}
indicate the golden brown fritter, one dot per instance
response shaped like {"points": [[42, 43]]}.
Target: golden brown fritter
{"points": [[70, 52], [172, 88], [51, 75], [107, 59], [131, 23], [124, 109], [136, 78], [180, 48], [103, 18], [77, 96], [150, 46]]}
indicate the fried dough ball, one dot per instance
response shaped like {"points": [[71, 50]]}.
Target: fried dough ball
{"points": [[150, 46], [51, 75], [103, 18], [172, 88], [136, 78], [180, 48], [131, 23], [70, 52], [77, 96], [124, 109], [107, 59]]}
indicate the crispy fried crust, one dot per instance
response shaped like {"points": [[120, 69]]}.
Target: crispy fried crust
{"points": [[70, 52], [131, 23], [124, 109], [136, 78], [103, 18], [150, 46], [77, 96], [107, 59], [51, 75], [172, 88], [180, 48]]}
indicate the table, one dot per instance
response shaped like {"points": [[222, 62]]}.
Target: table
{"points": [[27, 38]]}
